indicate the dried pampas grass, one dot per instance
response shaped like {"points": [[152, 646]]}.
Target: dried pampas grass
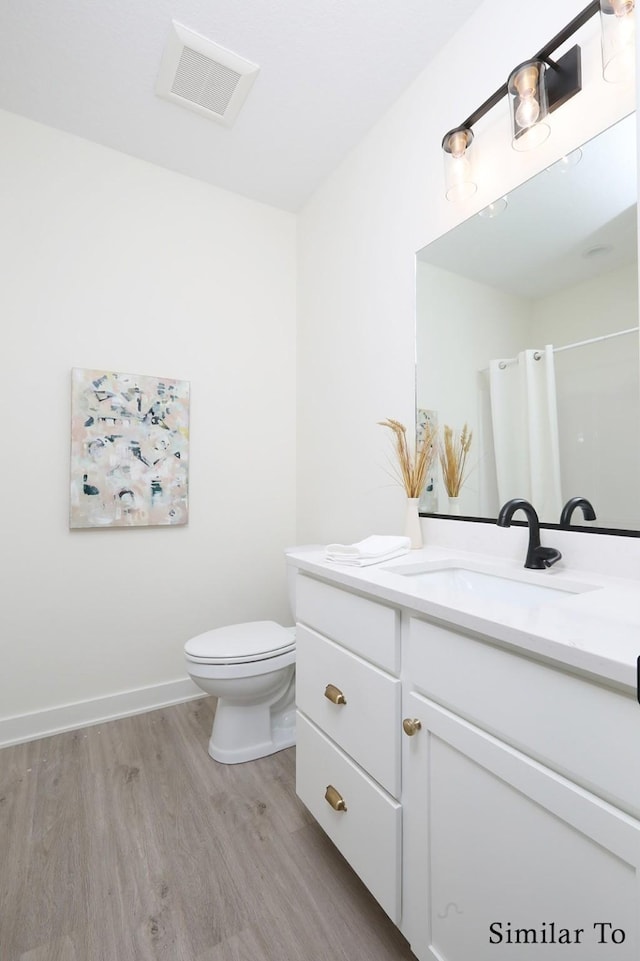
{"points": [[412, 470], [453, 451]]}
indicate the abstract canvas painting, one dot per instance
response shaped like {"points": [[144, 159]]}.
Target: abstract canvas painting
{"points": [[129, 450]]}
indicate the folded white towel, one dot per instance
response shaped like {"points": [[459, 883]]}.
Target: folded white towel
{"points": [[364, 561], [372, 550]]}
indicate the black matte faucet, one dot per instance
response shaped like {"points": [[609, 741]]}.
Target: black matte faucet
{"points": [[538, 557], [586, 507]]}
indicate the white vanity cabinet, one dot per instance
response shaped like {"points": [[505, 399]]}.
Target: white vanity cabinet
{"points": [[505, 846], [504, 821]]}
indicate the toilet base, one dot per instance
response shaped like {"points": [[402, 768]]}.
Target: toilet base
{"points": [[244, 731], [283, 737]]}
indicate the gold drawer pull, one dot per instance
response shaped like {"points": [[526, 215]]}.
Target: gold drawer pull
{"points": [[334, 694], [334, 798], [411, 726]]}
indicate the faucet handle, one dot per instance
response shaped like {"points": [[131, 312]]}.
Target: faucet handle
{"points": [[548, 555]]}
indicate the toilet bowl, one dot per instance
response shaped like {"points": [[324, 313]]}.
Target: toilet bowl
{"points": [[250, 668]]}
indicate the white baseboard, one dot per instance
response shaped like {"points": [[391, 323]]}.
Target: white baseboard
{"points": [[69, 717]]}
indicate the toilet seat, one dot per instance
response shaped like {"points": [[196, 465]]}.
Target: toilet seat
{"points": [[241, 643]]}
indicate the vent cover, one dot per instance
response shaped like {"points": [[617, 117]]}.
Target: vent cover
{"points": [[202, 76]]}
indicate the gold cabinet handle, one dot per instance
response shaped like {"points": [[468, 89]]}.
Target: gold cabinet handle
{"points": [[334, 798], [334, 694], [411, 726]]}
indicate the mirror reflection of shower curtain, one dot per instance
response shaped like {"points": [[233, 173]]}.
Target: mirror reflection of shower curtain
{"points": [[525, 431]]}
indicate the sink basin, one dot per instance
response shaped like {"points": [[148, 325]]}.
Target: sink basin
{"points": [[464, 583]]}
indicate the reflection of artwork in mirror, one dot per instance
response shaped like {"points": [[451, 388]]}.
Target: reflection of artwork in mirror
{"points": [[429, 496], [527, 329]]}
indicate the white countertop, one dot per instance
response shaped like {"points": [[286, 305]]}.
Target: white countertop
{"points": [[596, 631]]}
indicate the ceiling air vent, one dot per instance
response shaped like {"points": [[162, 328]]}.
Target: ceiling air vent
{"points": [[202, 76]]}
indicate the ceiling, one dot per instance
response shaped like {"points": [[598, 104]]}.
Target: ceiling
{"points": [[328, 70]]}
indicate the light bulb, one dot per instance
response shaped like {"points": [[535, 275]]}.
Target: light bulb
{"points": [[528, 105], [458, 145], [527, 112], [626, 30], [622, 8]]}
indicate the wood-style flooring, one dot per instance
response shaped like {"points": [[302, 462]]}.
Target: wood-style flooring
{"points": [[126, 842]]}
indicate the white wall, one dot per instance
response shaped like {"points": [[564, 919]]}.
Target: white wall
{"points": [[357, 240], [599, 458], [112, 263], [463, 325]]}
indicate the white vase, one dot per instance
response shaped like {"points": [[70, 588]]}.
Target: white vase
{"points": [[412, 528], [454, 505]]}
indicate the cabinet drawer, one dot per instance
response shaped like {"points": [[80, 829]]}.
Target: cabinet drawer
{"points": [[364, 626], [587, 732], [367, 726], [368, 833]]}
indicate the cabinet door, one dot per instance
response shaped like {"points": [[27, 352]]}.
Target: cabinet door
{"points": [[505, 858]]}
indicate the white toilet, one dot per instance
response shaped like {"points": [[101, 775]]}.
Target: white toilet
{"points": [[250, 668]]}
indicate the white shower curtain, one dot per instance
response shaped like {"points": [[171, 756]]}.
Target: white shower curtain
{"points": [[525, 431]]}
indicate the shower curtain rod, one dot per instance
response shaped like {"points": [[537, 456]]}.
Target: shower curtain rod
{"points": [[595, 340], [581, 343]]}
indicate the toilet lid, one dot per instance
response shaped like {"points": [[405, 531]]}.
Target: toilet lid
{"points": [[253, 641]]}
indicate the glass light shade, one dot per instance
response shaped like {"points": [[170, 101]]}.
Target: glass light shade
{"points": [[566, 163], [458, 164], [528, 105], [618, 38], [491, 211]]}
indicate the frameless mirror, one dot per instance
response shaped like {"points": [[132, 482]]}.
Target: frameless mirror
{"points": [[527, 332]]}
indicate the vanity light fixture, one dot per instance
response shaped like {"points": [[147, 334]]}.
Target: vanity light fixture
{"points": [[539, 86]]}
